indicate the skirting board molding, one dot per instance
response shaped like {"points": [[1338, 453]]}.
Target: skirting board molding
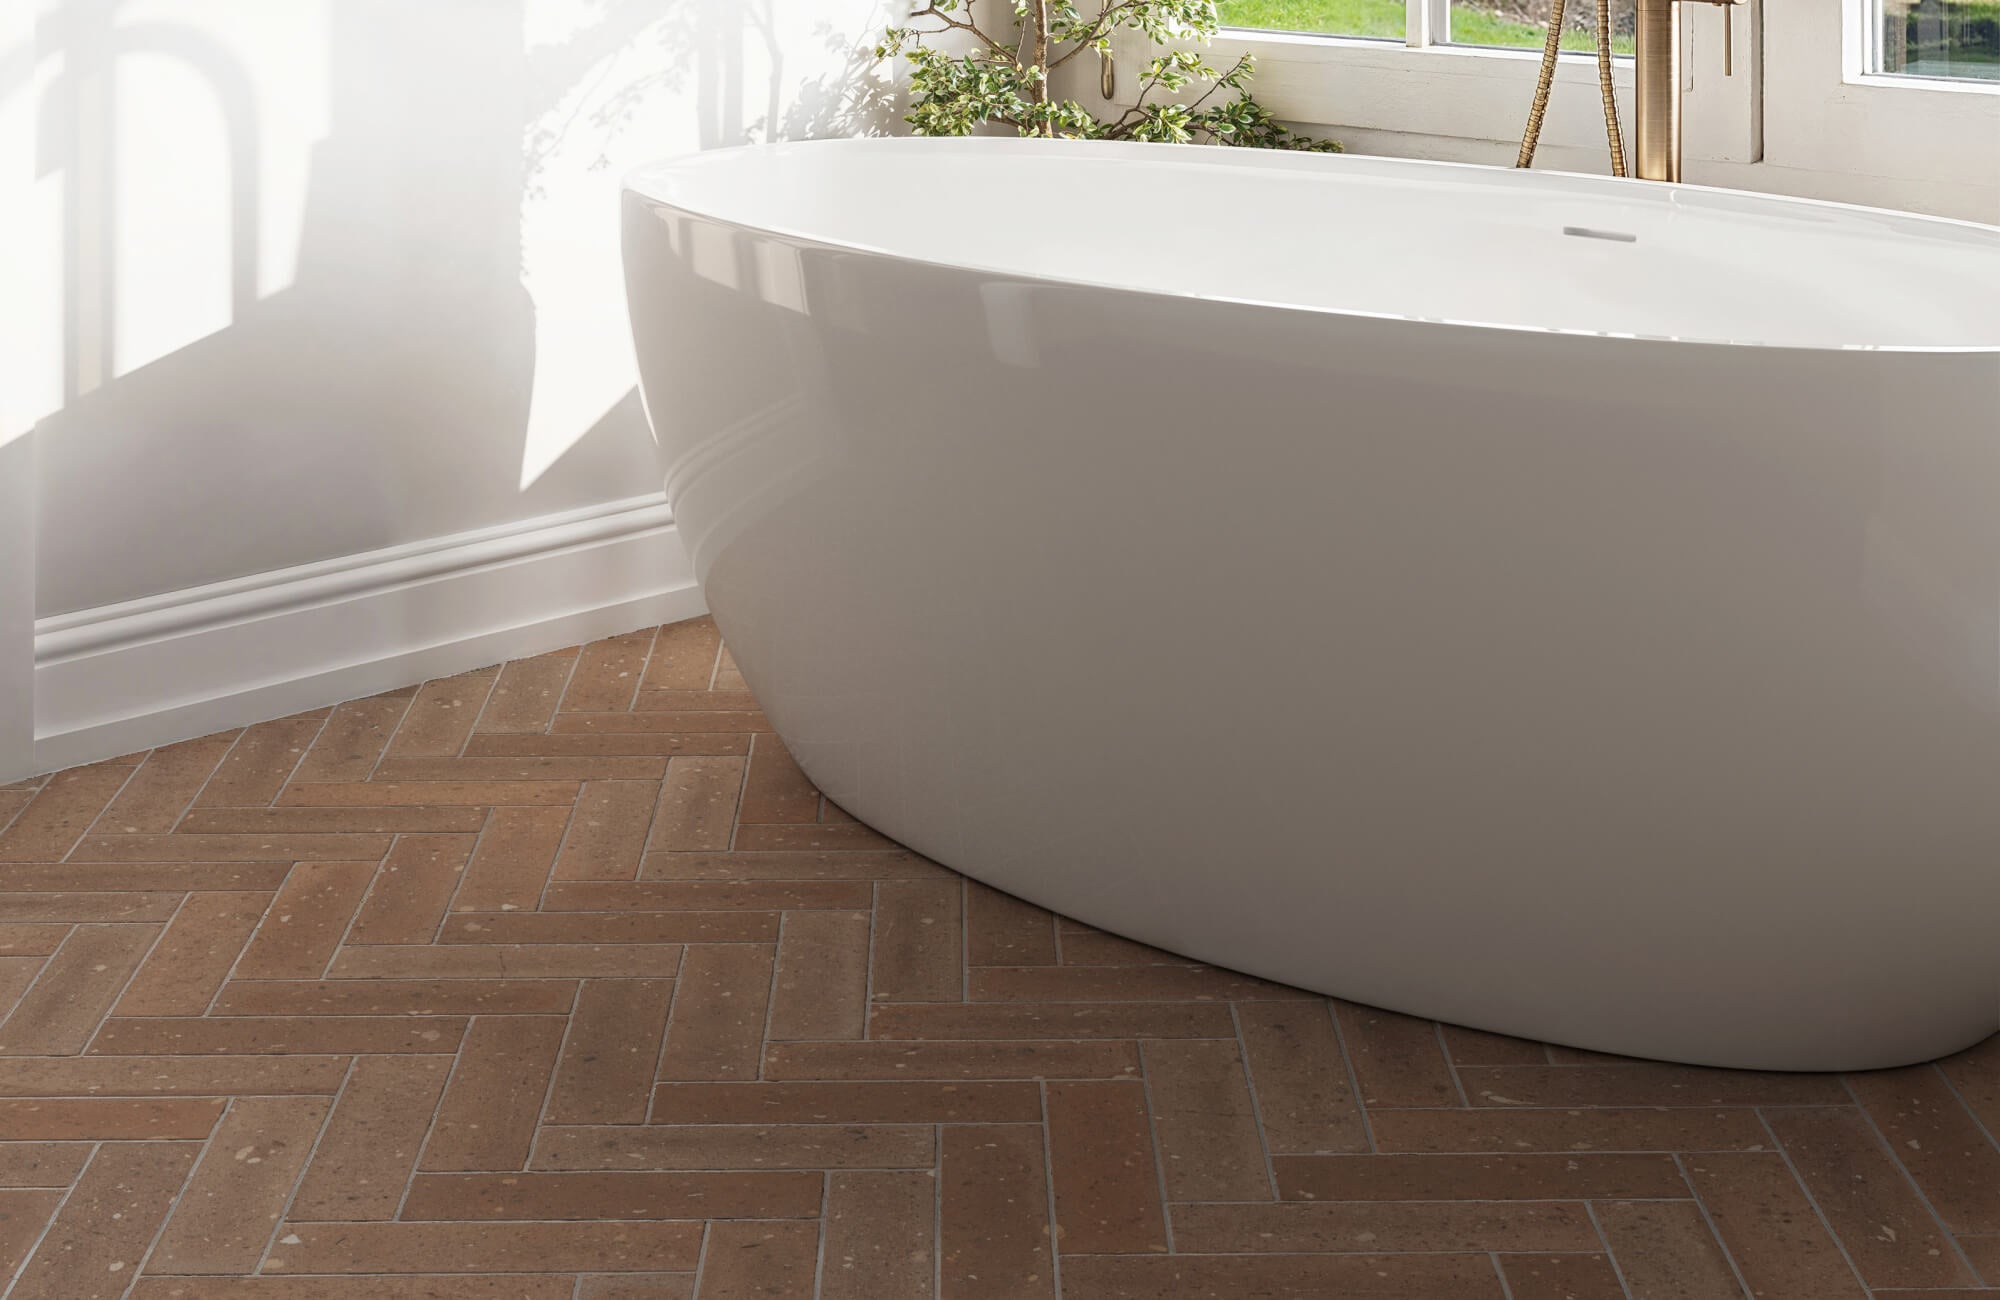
{"points": [[126, 677]]}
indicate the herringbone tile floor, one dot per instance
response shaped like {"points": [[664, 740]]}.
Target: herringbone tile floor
{"points": [[559, 980]]}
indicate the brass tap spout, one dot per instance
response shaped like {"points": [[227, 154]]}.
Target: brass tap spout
{"points": [[1656, 99]]}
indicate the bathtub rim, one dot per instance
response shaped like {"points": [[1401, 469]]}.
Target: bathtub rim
{"points": [[634, 188]]}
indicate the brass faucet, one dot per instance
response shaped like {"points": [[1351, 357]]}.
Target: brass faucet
{"points": [[1656, 99]]}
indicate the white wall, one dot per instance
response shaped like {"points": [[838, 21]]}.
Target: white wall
{"points": [[326, 282]]}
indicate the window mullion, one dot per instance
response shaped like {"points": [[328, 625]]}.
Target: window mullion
{"points": [[1422, 27]]}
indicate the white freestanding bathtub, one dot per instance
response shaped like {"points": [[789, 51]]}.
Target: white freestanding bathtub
{"points": [[1562, 606]]}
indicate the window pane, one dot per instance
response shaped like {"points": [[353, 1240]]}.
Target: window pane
{"points": [[1941, 38], [1382, 18], [1524, 24]]}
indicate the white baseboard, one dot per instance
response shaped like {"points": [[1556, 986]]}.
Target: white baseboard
{"points": [[133, 676]]}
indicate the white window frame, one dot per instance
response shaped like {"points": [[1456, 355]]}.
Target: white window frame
{"points": [[1805, 113]]}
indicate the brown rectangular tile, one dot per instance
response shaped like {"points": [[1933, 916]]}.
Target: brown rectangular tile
{"points": [[1120, 984], [727, 676], [1477, 1047], [1953, 1160], [364, 1161], [847, 1103], [1889, 1233], [410, 819], [582, 746], [1975, 1075], [608, 830], [193, 955], [1538, 1177], [224, 1219], [1305, 1101], [152, 802], [1001, 930], [605, 1074], [938, 1061], [897, 865], [23, 1214], [277, 1036], [1443, 1131], [1280, 1277], [509, 1286], [351, 743], [160, 1076], [820, 990], [878, 1235], [95, 1242], [485, 1247], [525, 695], [717, 1027], [1645, 1084], [42, 1164], [407, 899], [511, 865], [516, 961], [683, 657], [99, 877], [232, 848], [750, 1194], [1984, 1253], [736, 1146], [86, 909], [697, 805], [1204, 1121], [490, 1108], [1666, 1251], [942, 1021], [107, 1119], [1397, 1059], [1367, 1227], [1770, 1228], [775, 790], [264, 757], [641, 722], [460, 997], [405, 794], [610, 927], [994, 1227], [707, 895], [17, 975], [1560, 1277], [649, 768], [817, 838], [607, 673], [916, 955], [31, 940], [442, 715], [305, 921], [745, 1260], [1106, 1186], [60, 1012], [59, 814]]}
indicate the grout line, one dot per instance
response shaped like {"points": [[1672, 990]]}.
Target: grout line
{"points": [[771, 995], [389, 736], [701, 1257], [1256, 1106], [305, 1166], [937, 1215], [1159, 1162], [62, 1202], [111, 1007], [825, 1206], [1728, 1255], [666, 1034], [1839, 1245], [1610, 1255], [177, 1200], [1963, 1105], [1451, 1066], [1506, 1290], [123, 786], [1049, 1192]]}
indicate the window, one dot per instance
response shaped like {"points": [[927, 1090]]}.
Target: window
{"points": [[1503, 24], [1939, 38]]}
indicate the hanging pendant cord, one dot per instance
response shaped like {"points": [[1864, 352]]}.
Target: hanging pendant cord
{"points": [[1544, 83]]}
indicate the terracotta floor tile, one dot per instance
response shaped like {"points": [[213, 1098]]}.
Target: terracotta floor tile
{"points": [[1056, 1020], [408, 794], [1305, 1100], [389, 820], [306, 921], [1311, 1228], [485, 1247], [993, 1214], [1954, 1161], [487, 1117], [427, 1286], [1280, 1277], [170, 1076], [1398, 1060], [591, 744], [605, 1073], [951, 1061], [736, 1146], [607, 834], [1204, 1122], [1106, 1183], [232, 848], [917, 954], [611, 927], [1644, 1085], [42, 1164], [151, 803], [697, 806], [255, 769], [442, 716], [393, 997], [1984, 1255], [709, 896], [23, 1215], [1442, 1131], [1666, 1251], [748, 1260], [637, 1286], [366, 1156], [85, 909], [1016, 1102], [1001, 930], [278, 1035], [896, 864], [821, 987], [607, 673], [407, 899], [110, 1119], [482, 769], [817, 838], [879, 1235], [1114, 984], [1560, 1277], [59, 814], [466, 961], [1770, 1228], [193, 956], [525, 695], [510, 867], [684, 657], [775, 790], [716, 1030], [615, 1196], [75, 990], [31, 940], [231, 1206], [643, 721], [351, 743], [1477, 1178]]}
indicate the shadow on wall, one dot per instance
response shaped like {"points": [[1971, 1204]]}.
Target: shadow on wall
{"points": [[444, 350]]}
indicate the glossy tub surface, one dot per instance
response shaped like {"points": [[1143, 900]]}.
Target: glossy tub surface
{"points": [[1560, 606]]}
